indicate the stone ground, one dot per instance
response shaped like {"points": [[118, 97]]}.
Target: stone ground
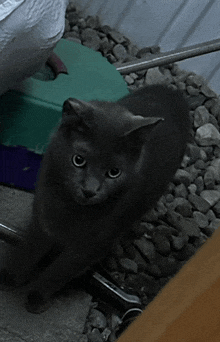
{"points": [[64, 320]]}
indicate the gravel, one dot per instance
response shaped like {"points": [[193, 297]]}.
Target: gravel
{"points": [[187, 215]]}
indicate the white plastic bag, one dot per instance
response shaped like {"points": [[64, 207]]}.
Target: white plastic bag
{"points": [[29, 30]]}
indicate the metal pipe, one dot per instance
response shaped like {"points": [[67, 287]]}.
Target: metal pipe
{"points": [[169, 57]]}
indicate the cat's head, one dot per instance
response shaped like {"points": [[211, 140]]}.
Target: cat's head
{"points": [[105, 149]]}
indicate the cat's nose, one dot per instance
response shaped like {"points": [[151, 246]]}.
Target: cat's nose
{"points": [[88, 193]]}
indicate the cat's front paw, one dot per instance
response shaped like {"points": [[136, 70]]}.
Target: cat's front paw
{"points": [[36, 303]]}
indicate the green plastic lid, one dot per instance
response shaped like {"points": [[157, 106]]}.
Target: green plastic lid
{"points": [[29, 115]]}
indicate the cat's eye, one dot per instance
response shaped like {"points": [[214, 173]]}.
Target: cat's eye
{"points": [[78, 160], [114, 173]]}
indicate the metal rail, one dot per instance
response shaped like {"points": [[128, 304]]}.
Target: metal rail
{"points": [[169, 57]]}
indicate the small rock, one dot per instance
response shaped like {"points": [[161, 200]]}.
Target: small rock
{"points": [[144, 52], [215, 166], [148, 284], [198, 242], [167, 73], [71, 34], [215, 224], [207, 91], [111, 58], [201, 116], [207, 135], [81, 23], [193, 152], [217, 152], [67, 25], [199, 184], [199, 203], [192, 91], [105, 334], [155, 49], [120, 52], [144, 282], [161, 208], [195, 101], [132, 50], [185, 161], [216, 208], [208, 151], [192, 188], [105, 45], [146, 248], [182, 176], [203, 154], [74, 39], [200, 164], [141, 263], [181, 86], [72, 18], [93, 22], [193, 172], [117, 37], [154, 76], [178, 242], [215, 108], [153, 270], [95, 336], [151, 216], [129, 80], [209, 180], [186, 252], [169, 198], [91, 39], [106, 29], [75, 28], [210, 215], [83, 338], [166, 231], [128, 265], [182, 206], [213, 121], [183, 224], [210, 196], [97, 319], [168, 266], [200, 219], [133, 75], [194, 80], [208, 231], [162, 244]]}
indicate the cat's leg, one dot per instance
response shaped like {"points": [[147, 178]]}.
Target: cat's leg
{"points": [[19, 263], [66, 266]]}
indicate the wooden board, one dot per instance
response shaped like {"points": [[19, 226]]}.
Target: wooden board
{"points": [[188, 308]]}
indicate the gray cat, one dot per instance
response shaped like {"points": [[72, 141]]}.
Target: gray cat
{"points": [[106, 165]]}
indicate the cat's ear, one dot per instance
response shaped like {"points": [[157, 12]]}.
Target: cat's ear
{"points": [[80, 112], [75, 107], [142, 126]]}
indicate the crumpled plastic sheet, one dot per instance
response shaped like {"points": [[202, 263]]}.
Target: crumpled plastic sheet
{"points": [[29, 30]]}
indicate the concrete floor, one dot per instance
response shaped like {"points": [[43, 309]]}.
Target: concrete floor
{"points": [[64, 320]]}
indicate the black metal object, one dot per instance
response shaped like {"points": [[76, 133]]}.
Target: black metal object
{"points": [[11, 235], [169, 57]]}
